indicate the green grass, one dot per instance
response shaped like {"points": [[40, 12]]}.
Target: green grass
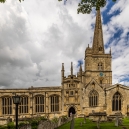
{"points": [[93, 125]]}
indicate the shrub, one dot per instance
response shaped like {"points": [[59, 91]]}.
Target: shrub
{"points": [[3, 127], [43, 118], [34, 124], [10, 125], [21, 124], [55, 120]]}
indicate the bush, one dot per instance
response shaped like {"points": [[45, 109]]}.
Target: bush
{"points": [[21, 124], [34, 124], [55, 120], [10, 125], [43, 118], [3, 127]]}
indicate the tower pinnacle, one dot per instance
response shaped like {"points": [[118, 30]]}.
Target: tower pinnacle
{"points": [[98, 45], [71, 68]]}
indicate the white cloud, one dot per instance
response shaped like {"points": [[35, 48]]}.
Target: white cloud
{"points": [[37, 36]]}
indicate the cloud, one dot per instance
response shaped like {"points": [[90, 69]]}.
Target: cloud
{"points": [[36, 39], [37, 36]]}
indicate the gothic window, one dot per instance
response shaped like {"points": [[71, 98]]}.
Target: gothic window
{"points": [[39, 103], [93, 98], [116, 102], [100, 66], [6, 105], [23, 107], [54, 102]]}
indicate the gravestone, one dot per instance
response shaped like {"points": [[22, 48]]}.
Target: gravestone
{"points": [[98, 125], [72, 122], [45, 125], [98, 122], [59, 121], [117, 121], [84, 119], [26, 126], [81, 124]]}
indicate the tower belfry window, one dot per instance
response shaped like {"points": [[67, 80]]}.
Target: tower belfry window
{"points": [[100, 66]]}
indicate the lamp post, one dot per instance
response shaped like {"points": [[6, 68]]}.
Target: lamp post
{"points": [[16, 101]]}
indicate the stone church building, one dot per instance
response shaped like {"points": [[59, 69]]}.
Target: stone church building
{"points": [[90, 90]]}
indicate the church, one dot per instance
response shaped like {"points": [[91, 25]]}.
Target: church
{"points": [[90, 90]]}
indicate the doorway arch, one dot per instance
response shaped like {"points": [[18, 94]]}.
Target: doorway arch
{"points": [[71, 110]]}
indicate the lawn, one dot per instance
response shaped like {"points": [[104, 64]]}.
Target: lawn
{"points": [[92, 125]]}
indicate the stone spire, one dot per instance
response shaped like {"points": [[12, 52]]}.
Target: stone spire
{"points": [[98, 45]]}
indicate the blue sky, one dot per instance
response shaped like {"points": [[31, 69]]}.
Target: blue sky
{"points": [[36, 37]]}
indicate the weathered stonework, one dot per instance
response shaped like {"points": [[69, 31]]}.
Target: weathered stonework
{"points": [[74, 92]]}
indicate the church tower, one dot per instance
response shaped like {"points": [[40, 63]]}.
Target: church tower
{"points": [[97, 62]]}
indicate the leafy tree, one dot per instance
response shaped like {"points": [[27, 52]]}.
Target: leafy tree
{"points": [[3, 1], [85, 6]]}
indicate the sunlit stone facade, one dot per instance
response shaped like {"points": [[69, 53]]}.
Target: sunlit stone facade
{"points": [[91, 89]]}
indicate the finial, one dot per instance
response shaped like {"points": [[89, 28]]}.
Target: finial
{"points": [[80, 67], [62, 66], [88, 45], [110, 51], [71, 68]]}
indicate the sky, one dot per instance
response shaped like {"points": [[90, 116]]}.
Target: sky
{"points": [[36, 37]]}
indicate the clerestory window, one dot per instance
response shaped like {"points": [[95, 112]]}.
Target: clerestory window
{"points": [[54, 102], [6, 105], [39, 103], [23, 106]]}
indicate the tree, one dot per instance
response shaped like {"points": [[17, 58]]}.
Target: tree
{"points": [[3, 1], [85, 6]]}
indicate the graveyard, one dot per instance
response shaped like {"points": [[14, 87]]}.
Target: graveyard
{"points": [[72, 122], [89, 124]]}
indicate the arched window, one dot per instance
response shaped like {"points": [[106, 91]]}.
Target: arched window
{"points": [[93, 98], [116, 102], [6, 105], [23, 106], [54, 102], [39, 103], [100, 66]]}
